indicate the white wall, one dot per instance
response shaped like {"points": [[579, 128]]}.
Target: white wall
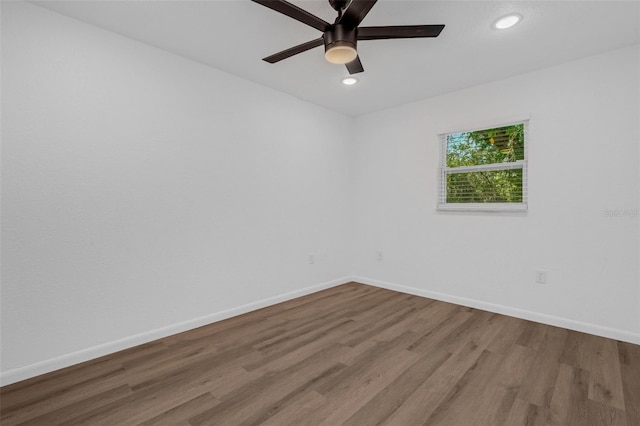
{"points": [[583, 155], [144, 193]]}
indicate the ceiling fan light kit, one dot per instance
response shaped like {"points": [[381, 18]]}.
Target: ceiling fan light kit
{"points": [[340, 44], [340, 53], [340, 38]]}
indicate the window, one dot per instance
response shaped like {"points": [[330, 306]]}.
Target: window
{"points": [[484, 169]]}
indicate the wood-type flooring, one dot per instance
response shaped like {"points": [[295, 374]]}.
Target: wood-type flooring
{"points": [[349, 355]]}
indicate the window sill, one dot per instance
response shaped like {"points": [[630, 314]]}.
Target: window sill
{"points": [[483, 207]]}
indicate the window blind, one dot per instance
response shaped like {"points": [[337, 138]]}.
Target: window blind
{"points": [[484, 169]]}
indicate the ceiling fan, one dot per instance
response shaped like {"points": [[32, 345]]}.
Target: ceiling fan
{"points": [[340, 38]]}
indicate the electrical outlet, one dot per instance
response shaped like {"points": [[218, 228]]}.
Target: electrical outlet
{"points": [[541, 276], [379, 256], [312, 259]]}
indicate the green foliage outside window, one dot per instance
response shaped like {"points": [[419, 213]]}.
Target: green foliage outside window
{"points": [[483, 147]]}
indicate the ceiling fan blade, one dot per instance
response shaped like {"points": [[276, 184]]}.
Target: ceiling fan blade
{"points": [[399, 31], [355, 66], [294, 51], [356, 11], [294, 12]]}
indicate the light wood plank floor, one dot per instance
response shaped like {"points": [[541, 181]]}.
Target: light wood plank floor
{"points": [[353, 355]]}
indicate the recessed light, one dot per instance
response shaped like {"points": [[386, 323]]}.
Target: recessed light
{"points": [[349, 81], [507, 21]]}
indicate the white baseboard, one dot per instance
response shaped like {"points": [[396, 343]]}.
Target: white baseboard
{"points": [[23, 373], [570, 324], [47, 366]]}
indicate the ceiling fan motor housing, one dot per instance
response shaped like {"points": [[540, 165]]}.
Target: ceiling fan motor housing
{"points": [[340, 36]]}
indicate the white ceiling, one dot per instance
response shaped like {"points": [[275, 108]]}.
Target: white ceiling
{"points": [[234, 35]]}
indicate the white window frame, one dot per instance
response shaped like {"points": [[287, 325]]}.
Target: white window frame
{"points": [[485, 207]]}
